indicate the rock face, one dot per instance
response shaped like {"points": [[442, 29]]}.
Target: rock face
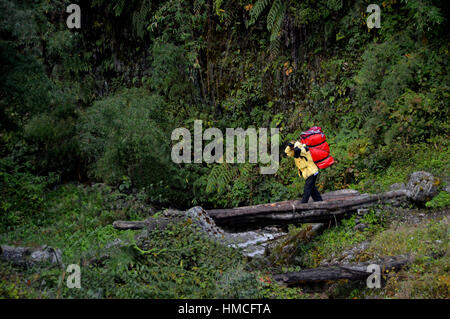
{"points": [[206, 224], [28, 256], [421, 187]]}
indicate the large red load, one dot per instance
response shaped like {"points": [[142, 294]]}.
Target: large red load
{"points": [[318, 146]]}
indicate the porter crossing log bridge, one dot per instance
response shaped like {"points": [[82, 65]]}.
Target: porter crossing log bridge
{"points": [[335, 205]]}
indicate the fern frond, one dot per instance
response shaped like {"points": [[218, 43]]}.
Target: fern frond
{"points": [[118, 7], [219, 177], [217, 6], [275, 29], [257, 9], [139, 18], [246, 169], [198, 6], [274, 47], [273, 14]]}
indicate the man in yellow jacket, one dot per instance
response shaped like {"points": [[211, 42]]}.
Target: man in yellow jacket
{"points": [[306, 168]]}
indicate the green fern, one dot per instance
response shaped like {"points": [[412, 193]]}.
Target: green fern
{"points": [[276, 27], [217, 6], [140, 18], [256, 11], [274, 24], [274, 47], [219, 177], [198, 5], [246, 169], [273, 14]]}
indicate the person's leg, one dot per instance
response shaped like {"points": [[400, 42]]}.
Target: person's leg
{"points": [[315, 194], [309, 184]]}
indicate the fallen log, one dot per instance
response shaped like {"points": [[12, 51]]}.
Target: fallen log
{"points": [[196, 215], [349, 272], [125, 225], [150, 224], [290, 212]]}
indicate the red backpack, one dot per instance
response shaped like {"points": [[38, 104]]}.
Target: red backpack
{"points": [[318, 146]]}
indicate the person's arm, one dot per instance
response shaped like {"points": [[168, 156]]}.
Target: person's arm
{"points": [[289, 149], [300, 150]]}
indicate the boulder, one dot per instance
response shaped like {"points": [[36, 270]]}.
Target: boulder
{"points": [[29, 256], [361, 227], [421, 187]]}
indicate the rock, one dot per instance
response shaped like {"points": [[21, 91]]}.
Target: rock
{"points": [[29, 256], [421, 187], [362, 211], [397, 186], [206, 224], [361, 227]]}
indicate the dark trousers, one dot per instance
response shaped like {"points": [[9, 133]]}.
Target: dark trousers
{"points": [[311, 190]]}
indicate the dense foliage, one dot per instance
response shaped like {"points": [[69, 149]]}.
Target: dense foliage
{"points": [[98, 105]]}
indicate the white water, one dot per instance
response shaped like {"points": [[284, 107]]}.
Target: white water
{"points": [[253, 243]]}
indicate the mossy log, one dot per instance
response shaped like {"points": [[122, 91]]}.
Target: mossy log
{"points": [[348, 272]]}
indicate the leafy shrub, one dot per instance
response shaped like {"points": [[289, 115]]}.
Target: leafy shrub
{"points": [[439, 201], [24, 87], [23, 195], [126, 135], [175, 263]]}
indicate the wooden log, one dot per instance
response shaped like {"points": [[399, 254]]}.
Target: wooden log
{"points": [[333, 273], [286, 212], [125, 225], [150, 223]]}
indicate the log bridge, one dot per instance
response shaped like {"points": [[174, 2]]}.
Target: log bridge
{"points": [[335, 205]]}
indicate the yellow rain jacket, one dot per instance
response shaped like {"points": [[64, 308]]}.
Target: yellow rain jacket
{"points": [[305, 164]]}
